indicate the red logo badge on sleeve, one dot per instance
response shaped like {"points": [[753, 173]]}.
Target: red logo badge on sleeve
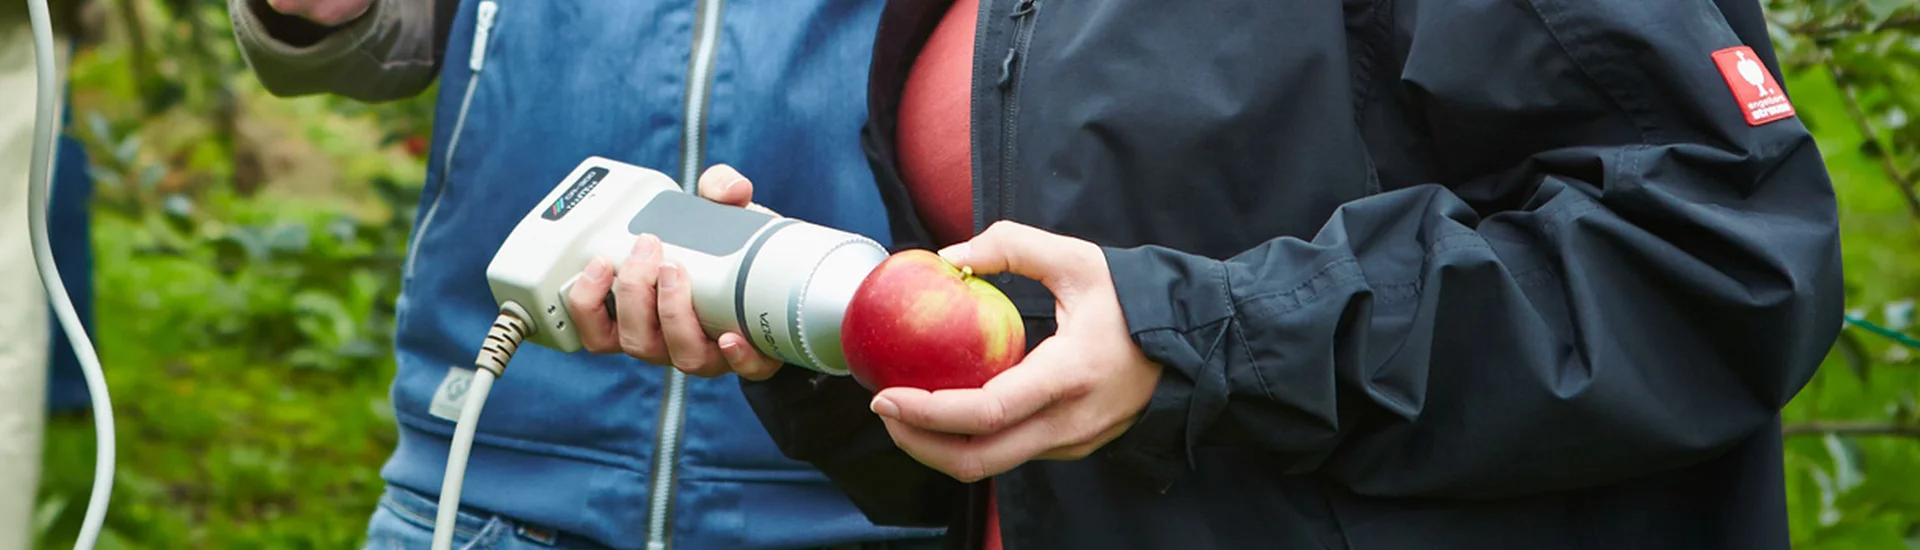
{"points": [[1761, 99]]}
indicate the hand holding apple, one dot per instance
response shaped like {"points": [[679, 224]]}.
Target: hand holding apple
{"points": [[919, 321], [1079, 389]]}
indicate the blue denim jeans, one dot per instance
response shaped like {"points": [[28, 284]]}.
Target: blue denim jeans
{"points": [[404, 521]]}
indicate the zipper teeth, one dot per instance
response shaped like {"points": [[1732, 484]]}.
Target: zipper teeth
{"points": [[673, 414], [697, 77], [670, 420], [441, 184], [1024, 11]]}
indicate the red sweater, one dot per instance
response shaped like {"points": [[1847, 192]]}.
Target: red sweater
{"points": [[936, 160], [936, 154]]}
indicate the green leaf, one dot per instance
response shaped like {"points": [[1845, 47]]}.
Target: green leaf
{"points": [[1846, 463], [1898, 314], [1803, 498], [1882, 9], [1848, 344], [47, 513]]}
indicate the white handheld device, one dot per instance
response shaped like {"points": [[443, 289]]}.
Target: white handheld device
{"points": [[783, 283]]}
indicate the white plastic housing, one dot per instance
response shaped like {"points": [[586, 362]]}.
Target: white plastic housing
{"points": [[784, 281]]}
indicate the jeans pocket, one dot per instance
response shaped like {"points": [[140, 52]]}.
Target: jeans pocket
{"points": [[404, 521]]}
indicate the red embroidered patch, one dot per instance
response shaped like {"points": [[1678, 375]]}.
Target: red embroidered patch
{"points": [[1761, 99]]}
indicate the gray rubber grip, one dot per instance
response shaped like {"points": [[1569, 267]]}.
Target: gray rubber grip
{"points": [[698, 224]]}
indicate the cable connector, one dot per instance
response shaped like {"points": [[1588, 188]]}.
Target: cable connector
{"points": [[509, 330]]}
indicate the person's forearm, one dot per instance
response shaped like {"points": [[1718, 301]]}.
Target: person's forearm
{"points": [[1641, 290], [390, 52]]}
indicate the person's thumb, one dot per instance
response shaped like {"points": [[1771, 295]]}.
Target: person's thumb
{"points": [[1018, 249], [723, 184]]}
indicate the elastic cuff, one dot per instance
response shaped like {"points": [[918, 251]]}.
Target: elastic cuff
{"points": [[1161, 288], [1178, 307], [273, 37], [1155, 448]]}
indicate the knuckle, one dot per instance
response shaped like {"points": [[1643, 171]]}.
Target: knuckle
{"points": [[631, 346], [713, 369], [685, 360], [580, 302], [645, 349], [628, 284], [994, 418], [970, 469], [671, 307]]}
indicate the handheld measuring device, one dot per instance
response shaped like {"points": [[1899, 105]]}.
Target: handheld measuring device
{"points": [[781, 282]]}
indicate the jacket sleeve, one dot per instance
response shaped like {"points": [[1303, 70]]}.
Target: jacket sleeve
{"points": [[391, 52], [1621, 275], [823, 420]]}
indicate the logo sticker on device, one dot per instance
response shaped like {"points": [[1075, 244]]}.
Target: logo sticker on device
{"points": [[575, 193], [1761, 98]]}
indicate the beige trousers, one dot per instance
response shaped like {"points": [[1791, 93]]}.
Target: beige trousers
{"points": [[24, 322]]}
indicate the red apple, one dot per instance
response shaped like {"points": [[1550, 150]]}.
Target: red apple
{"points": [[919, 321]]}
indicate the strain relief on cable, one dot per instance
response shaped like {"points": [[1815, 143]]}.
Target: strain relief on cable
{"points": [[503, 339]]}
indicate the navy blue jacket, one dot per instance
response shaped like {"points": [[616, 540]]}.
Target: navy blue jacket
{"points": [[1421, 273]]}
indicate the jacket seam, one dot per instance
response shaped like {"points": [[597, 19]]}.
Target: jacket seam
{"points": [[1238, 330], [1324, 276], [518, 444], [1615, 96], [1379, 31]]}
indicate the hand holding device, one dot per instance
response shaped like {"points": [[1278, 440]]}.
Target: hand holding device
{"points": [[660, 326]]}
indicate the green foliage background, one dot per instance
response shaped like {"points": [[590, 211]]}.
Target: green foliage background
{"points": [[247, 249]]}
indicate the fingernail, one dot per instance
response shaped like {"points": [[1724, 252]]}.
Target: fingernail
{"points": [[644, 247], [885, 407], [669, 277], [730, 348], [597, 269], [732, 184], [956, 253]]}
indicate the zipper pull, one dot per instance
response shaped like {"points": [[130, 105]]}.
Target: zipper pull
{"points": [[1025, 8], [1020, 11], [1006, 69], [482, 29]]}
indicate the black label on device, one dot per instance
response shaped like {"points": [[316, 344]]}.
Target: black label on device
{"points": [[697, 224], [578, 192]]}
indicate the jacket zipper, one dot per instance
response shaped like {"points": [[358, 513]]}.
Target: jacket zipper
{"points": [[1011, 69], [483, 29], [706, 35]]}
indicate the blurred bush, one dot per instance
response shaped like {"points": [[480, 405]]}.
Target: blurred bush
{"points": [[248, 249], [1853, 455]]}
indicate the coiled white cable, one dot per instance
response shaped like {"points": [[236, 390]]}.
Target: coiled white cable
{"points": [[38, 189], [509, 330]]}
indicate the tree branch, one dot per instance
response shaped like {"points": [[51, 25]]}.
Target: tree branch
{"points": [[1817, 31], [1850, 428], [1882, 153]]}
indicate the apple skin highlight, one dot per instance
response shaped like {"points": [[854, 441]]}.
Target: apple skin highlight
{"points": [[920, 321]]}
